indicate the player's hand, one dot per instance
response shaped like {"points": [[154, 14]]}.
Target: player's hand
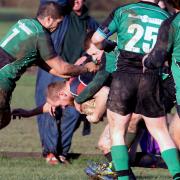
{"points": [[78, 106], [51, 109], [91, 67], [18, 113]]}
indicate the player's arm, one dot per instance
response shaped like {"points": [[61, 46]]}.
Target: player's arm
{"points": [[59, 67], [161, 51], [108, 27], [48, 69], [95, 85], [64, 68], [19, 112]]}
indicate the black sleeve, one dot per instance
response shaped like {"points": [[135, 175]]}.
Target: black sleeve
{"points": [[45, 46], [108, 45], [162, 49]]}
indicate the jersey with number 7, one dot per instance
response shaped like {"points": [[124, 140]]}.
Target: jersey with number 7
{"points": [[25, 44], [137, 27]]}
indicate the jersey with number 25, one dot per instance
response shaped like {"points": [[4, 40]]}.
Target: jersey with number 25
{"points": [[136, 25]]}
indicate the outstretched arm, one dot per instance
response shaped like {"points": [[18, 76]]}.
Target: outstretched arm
{"points": [[19, 112], [64, 68], [58, 67]]}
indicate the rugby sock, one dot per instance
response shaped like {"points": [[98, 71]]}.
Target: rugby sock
{"points": [[171, 159], [120, 159]]}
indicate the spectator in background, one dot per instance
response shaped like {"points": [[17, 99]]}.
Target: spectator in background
{"points": [[56, 135], [26, 43]]}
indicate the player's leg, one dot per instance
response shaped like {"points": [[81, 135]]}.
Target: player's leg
{"points": [[5, 117], [174, 129], [121, 102], [158, 129], [169, 98], [119, 151], [68, 122], [104, 142], [100, 105], [151, 106], [5, 111]]}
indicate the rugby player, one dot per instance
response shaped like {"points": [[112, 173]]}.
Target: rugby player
{"points": [[167, 49], [131, 91]]}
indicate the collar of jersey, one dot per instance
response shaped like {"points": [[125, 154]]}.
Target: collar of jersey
{"points": [[150, 3]]}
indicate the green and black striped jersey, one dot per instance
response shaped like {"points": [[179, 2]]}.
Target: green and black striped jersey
{"points": [[137, 27], [26, 43]]}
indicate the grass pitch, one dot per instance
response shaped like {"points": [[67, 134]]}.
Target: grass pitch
{"points": [[22, 135]]}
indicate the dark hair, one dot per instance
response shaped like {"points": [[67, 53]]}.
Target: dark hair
{"points": [[87, 40], [174, 3], [52, 9]]}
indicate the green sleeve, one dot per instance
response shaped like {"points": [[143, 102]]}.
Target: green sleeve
{"points": [[93, 87], [45, 46]]}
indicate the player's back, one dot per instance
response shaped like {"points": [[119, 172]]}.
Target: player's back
{"points": [[21, 39], [138, 25], [19, 50]]}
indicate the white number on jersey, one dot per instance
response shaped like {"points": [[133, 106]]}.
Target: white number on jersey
{"points": [[15, 32], [150, 37]]}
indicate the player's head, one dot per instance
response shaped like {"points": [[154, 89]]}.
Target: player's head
{"points": [[57, 94], [162, 4], [174, 3], [76, 5], [90, 48], [50, 15]]}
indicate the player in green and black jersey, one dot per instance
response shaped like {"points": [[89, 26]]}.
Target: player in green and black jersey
{"points": [[168, 47], [167, 50], [131, 91], [28, 43]]}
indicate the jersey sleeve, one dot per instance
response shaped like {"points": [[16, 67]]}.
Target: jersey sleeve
{"points": [[45, 46], [109, 26], [163, 47]]}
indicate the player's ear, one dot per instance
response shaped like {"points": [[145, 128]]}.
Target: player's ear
{"points": [[48, 20]]}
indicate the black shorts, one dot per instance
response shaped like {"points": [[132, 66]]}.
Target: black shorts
{"points": [[138, 93], [168, 93]]}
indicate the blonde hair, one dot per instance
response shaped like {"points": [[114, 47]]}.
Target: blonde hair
{"points": [[53, 89]]}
